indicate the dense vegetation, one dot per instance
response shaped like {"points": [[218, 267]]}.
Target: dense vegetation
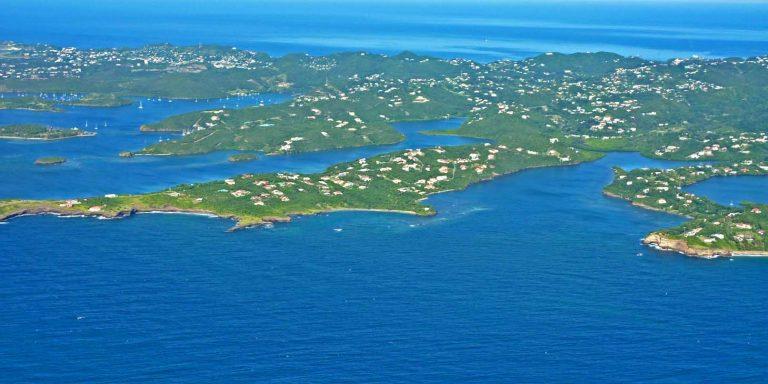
{"points": [[547, 110], [674, 110]]}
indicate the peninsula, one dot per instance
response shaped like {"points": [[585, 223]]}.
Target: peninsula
{"points": [[714, 230], [395, 182]]}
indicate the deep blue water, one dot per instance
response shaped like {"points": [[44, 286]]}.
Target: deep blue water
{"points": [[533, 277], [483, 30], [733, 190], [513, 279]]}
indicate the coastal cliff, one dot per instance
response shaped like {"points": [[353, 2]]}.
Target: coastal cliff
{"points": [[663, 242], [712, 230]]}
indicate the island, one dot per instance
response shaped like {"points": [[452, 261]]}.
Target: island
{"points": [[42, 103], [40, 132], [549, 110], [241, 157], [28, 103], [52, 160], [102, 100]]}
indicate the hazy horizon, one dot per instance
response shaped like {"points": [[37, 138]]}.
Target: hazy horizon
{"points": [[490, 31]]}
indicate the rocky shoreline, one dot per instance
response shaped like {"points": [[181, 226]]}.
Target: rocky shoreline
{"points": [[63, 211], [239, 222], [663, 243]]}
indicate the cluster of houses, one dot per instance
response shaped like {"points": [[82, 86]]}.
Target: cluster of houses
{"points": [[663, 189], [36, 62], [743, 144], [606, 106], [414, 173]]}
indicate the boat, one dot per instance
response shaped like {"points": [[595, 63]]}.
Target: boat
{"points": [[141, 106]]}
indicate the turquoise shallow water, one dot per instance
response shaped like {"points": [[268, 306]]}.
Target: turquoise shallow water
{"points": [[533, 277]]}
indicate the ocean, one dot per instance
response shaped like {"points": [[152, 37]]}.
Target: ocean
{"points": [[532, 277], [482, 30]]}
